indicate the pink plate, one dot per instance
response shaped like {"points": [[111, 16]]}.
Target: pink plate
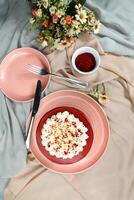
{"points": [[95, 116], [15, 81]]}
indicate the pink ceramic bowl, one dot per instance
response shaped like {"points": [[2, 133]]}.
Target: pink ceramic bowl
{"points": [[94, 114]]}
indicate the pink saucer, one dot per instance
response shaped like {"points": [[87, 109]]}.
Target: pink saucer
{"points": [[15, 81], [93, 113]]}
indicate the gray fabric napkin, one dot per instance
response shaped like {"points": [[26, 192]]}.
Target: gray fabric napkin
{"points": [[117, 31], [13, 18]]}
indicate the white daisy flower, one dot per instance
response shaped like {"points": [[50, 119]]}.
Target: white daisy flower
{"points": [[75, 24], [60, 13], [39, 13], [44, 44], [81, 16], [78, 6], [91, 20], [52, 10], [97, 28], [45, 4]]}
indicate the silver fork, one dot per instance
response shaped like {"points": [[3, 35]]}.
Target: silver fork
{"points": [[41, 71]]}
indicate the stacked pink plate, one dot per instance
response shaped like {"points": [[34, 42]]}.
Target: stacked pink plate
{"points": [[88, 111]]}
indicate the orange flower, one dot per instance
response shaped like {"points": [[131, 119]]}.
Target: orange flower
{"points": [[34, 12], [45, 23], [68, 19], [55, 19]]}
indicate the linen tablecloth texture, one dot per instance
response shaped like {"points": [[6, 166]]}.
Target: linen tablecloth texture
{"points": [[112, 176]]}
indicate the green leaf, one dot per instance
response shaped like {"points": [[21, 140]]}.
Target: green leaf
{"points": [[82, 2], [71, 10]]}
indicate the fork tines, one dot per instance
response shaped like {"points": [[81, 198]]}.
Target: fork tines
{"points": [[34, 69]]}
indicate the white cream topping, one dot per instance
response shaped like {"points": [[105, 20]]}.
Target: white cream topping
{"points": [[64, 135]]}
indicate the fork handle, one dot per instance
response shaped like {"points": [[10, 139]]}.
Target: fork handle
{"points": [[83, 84]]}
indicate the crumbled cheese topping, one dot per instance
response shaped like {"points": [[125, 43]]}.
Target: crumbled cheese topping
{"points": [[64, 135]]}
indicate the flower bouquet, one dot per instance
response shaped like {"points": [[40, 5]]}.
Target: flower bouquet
{"points": [[60, 22]]}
